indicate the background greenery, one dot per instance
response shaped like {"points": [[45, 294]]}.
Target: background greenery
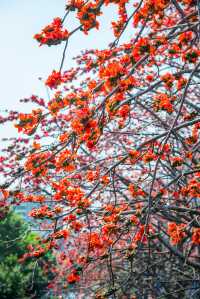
{"points": [[20, 280]]}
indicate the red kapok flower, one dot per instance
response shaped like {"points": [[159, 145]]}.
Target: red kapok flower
{"points": [[54, 80]]}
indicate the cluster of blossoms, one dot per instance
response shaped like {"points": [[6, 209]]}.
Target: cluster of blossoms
{"points": [[87, 15], [176, 161], [163, 102], [28, 122], [42, 212], [152, 8], [39, 163], [193, 188], [176, 232], [56, 78], [196, 236], [73, 277], [142, 234], [63, 233], [52, 34], [191, 55]]}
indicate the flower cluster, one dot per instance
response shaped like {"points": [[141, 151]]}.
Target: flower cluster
{"points": [[52, 34], [73, 277], [196, 236], [191, 55], [163, 102], [54, 80], [46, 212], [29, 122], [87, 15], [176, 232], [176, 161], [64, 233]]}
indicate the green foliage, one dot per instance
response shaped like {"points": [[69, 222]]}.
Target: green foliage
{"points": [[20, 280]]}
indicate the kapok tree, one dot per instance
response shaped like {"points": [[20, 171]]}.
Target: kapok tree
{"points": [[112, 159]]}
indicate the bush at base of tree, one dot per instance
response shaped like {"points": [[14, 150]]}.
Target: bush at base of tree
{"points": [[20, 280]]}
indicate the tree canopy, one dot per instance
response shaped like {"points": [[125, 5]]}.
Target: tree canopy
{"points": [[112, 156]]}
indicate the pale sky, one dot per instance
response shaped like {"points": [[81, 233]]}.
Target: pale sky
{"points": [[22, 61]]}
